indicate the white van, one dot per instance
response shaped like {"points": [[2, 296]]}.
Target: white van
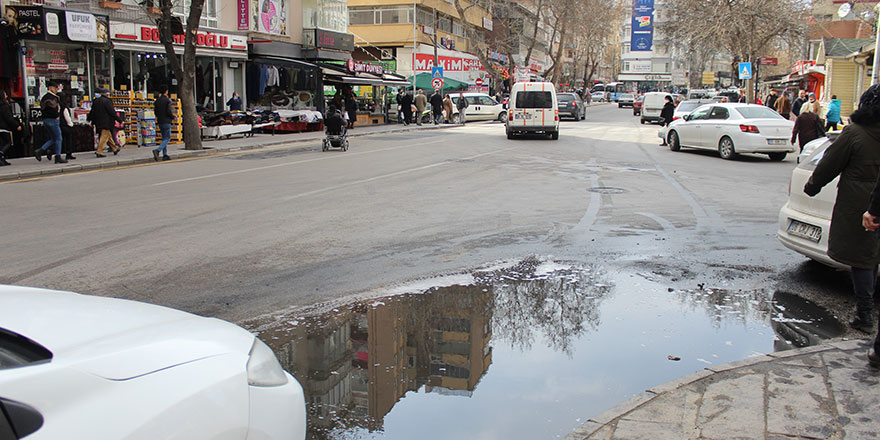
{"points": [[654, 102], [533, 109]]}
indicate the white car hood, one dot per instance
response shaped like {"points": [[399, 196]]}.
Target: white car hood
{"points": [[113, 338]]}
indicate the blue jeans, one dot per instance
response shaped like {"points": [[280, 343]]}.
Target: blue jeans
{"points": [[166, 136], [54, 135]]}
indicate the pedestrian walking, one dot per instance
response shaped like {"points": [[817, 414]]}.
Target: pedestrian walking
{"points": [[351, 108], [462, 106], [854, 157], [406, 103], [447, 107], [234, 102], [50, 108], [832, 116], [815, 107], [8, 123], [164, 116], [437, 106], [421, 102], [783, 106], [807, 127], [400, 94], [771, 99], [103, 116], [666, 115], [798, 103]]}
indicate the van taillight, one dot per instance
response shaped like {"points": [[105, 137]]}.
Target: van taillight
{"points": [[556, 115], [748, 128], [510, 115]]}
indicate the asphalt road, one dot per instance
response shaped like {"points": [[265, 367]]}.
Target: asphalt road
{"points": [[254, 232]]}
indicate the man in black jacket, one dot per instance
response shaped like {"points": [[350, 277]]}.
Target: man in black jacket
{"points": [[406, 103], [50, 107], [164, 116], [666, 114], [103, 116], [436, 106]]}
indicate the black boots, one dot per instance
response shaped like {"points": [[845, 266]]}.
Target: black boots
{"points": [[864, 321], [59, 159]]}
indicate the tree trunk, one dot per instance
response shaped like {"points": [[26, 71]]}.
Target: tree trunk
{"points": [[185, 71], [558, 63]]}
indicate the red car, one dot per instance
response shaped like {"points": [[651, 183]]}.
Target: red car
{"points": [[637, 105]]}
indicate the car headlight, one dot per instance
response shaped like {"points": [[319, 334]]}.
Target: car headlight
{"points": [[263, 368]]}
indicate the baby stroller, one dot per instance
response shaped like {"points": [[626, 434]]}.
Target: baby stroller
{"points": [[337, 134]]}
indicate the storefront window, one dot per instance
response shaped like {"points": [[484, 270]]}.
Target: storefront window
{"points": [[121, 70], [65, 64], [101, 62]]}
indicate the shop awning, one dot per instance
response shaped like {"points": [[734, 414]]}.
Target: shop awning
{"points": [[423, 81], [158, 48], [390, 79], [281, 61]]}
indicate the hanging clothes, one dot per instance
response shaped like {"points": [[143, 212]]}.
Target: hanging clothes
{"points": [[8, 50], [272, 79], [264, 79], [284, 78]]}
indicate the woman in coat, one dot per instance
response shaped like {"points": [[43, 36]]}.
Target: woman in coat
{"points": [[667, 114], [855, 157], [7, 122]]}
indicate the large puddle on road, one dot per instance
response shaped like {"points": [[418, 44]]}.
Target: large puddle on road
{"points": [[529, 350]]}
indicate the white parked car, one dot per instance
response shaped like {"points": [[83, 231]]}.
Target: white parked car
{"points": [[683, 109], [85, 367], [626, 100], [598, 97], [732, 128], [804, 221], [481, 107]]}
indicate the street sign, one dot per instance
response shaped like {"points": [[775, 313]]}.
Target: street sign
{"points": [[708, 77], [437, 83], [764, 61], [479, 81], [437, 72], [745, 70]]}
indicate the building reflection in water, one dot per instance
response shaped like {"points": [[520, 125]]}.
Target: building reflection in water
{"points": [[356, 363]]}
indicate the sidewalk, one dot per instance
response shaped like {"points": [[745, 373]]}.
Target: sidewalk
{"points": [[826, 391], [28, 167]]}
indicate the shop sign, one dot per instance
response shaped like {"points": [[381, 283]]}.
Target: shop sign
{"points": [[424, 62], [243, 15], [329, 40], [357, 66], [203, 39], [640, 66], [492, 55], [53, 25], [487, 23], [27, 20], [270, 16], [81, 26], [766, 61], [801, 67]]}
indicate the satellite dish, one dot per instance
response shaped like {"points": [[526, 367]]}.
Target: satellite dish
{"points": [[844, 9]]}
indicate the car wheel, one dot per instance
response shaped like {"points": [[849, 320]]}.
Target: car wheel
{"points": [[502, 117], [642, 121], [345, 145], [455, 119], [509, 134], [777, 157], [554, 135], [619, 105], [325, 145], [673, 141], [726, 149]]}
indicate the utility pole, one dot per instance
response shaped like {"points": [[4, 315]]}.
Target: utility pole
{"points": [[755, 79], [875, 75], [415, 21]]}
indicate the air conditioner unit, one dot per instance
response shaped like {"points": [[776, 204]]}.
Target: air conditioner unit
{"points": [[387, 54]]}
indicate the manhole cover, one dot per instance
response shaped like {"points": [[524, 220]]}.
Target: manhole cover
{"points": [[607, 190]]}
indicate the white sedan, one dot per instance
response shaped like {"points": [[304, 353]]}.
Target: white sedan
{"points": [[804, 221], [86, 367], [732, 128]]}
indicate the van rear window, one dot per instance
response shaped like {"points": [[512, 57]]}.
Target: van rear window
{"points": [[529, 99]]}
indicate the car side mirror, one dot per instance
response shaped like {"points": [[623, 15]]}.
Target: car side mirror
{"points": [[18, 417]]}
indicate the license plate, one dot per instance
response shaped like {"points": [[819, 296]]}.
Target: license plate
{"points": [[522, 116], [803, 230], [777, 141]]}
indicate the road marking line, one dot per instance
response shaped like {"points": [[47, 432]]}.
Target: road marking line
{"points": [[385, 176], [228, 173]]}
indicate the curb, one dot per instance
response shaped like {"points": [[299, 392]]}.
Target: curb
{"points": [[205, 152], [595, 424]]}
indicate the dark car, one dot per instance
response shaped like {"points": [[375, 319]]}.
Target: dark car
{"points": [[571, 105], [637, 105]]}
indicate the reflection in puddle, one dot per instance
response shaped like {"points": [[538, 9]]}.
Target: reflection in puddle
{"points": [[564, 342]]}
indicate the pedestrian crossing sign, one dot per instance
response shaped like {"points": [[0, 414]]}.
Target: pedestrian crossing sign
{"points": [[437, 72], [745, 70]]}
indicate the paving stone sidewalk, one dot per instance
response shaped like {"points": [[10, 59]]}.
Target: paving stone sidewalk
{"points": [[821, 392], [28, 167]]}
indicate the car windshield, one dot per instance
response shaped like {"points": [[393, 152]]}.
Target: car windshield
{"points": [[688, 106], [534, 99], [758, 112], [813, 160], [18, 351], [626, 96], [565, 97]]}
